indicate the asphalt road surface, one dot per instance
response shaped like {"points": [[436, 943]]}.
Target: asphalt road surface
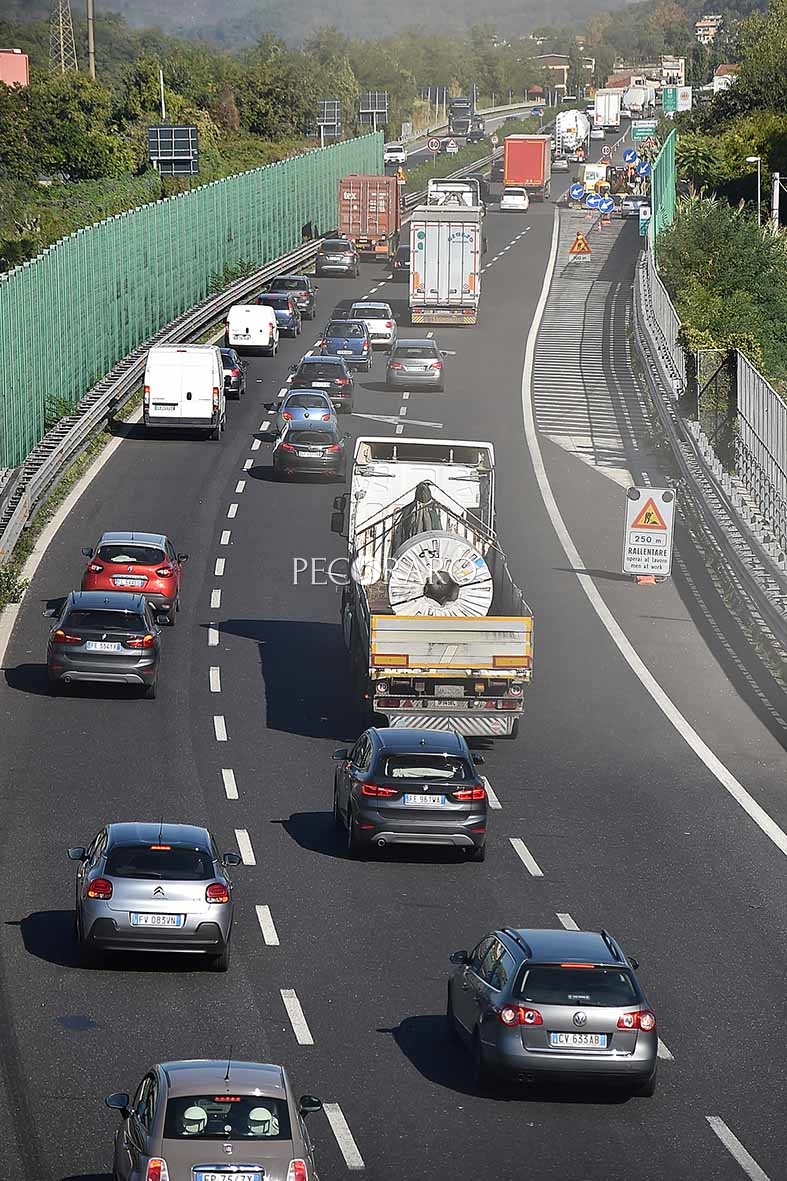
{"points": [[630, 828]]}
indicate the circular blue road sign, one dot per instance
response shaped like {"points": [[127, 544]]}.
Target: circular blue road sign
{"points": [[630, 156], [593, 201], [607, 205], [643, 168], [576, 192]]}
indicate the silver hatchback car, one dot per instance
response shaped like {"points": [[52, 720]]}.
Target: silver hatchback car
{"points": [[213, 1121], [154, 887], [538, 1003]]}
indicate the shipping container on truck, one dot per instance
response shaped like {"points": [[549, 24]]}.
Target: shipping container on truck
{"points": [[446, 243], [439, 635], [606, 112], [527, 162], [370, 214]]}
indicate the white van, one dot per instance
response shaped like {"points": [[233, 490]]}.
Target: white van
{"points": [[252, 327], [184, 388]]}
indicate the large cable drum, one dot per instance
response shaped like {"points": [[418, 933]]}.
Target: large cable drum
{"points": [[439, 573]]}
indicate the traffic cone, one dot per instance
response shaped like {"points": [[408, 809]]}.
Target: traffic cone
{"points": [[646, 579]]}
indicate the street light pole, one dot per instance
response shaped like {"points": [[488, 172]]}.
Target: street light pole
{"points": [[758, 161], [775, 187], [91, 38]]}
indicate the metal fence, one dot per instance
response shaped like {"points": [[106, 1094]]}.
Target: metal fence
{"points": [[663, 188], [663, 321], [67, 316], [761, 446]]}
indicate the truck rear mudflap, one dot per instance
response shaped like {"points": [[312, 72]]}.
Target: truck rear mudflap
{"points": [[471, 725]]}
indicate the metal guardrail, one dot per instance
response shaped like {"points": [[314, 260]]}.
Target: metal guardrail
{"points": [[761, 446], [61, 444], [663, 322]]}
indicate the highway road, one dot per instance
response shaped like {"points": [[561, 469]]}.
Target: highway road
{"points": [[630, 828]]}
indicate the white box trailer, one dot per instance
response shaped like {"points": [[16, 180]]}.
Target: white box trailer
{"points": [[446, 244], [606, 113]]}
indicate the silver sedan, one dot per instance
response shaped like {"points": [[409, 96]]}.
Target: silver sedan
{"points": [[415, 363]]}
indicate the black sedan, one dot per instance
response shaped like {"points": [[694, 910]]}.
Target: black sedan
{"points": [[300, 451], [234, 373], [285, 308], [410, 787], [105, 637], [400, 264], [325, 373], [302, 288]]}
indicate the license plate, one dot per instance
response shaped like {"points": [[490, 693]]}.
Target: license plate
{"points": [[321, 385], [102, 646], [587, 1041], [157, 920], [233, 1176], [165, 405], [449, 691], [345, 352], [425, 801], [308, 454], [129, 581]]}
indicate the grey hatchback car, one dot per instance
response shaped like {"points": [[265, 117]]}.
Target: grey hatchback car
{"points": [[108, 637], [154, 887], [415, 363], [207, 1120], [536, 1003], [399, 786]]}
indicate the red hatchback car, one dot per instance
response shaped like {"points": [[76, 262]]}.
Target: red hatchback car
{"points": [[143, 563]]}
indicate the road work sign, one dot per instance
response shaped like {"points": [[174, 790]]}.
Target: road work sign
{"points": [[647, 539], [579, 250]]}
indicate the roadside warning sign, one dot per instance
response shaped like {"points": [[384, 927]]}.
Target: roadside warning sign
{"points": [[579, 248], [647, 539]]}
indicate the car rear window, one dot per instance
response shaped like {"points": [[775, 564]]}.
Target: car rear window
{"points": [[416, 350], [109, 621], [306, 401], [167, 863], [377, 311], [333, 247], [432, 767], [345, 328], [125, 554], [319, 372], [227, 1117], [311, 438], [551, 984], [293, 283], [514, 193], [282, 302]]}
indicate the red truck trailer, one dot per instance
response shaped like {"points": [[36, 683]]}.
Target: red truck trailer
{"points": [[527, 162], [369, 214]]}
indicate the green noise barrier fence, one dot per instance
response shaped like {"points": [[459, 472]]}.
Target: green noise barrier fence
{"points": [[663, 187], [70, 314]]}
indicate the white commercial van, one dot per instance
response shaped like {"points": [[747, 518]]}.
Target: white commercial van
{"points": [[184, 388], [252, 327]]}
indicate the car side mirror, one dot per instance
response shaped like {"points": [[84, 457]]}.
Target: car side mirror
{"points": [[78, 853], [119, 1102], [231, 859], [88, 551], [49, 612], [341, 754], [458, 957], [309, 1103], [183, 557], [633, 961], [162, 619], [337, 523], [479, 760]]}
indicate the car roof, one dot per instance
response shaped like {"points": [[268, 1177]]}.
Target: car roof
{"points": [[106, 601], [305, 279], [344, 323], [370, 303], [132, 535], [157, 832], [201, 1075], [558, 945], [403, 740], [312, 359], [415, 340]]}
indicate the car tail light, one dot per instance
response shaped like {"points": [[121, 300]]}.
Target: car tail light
{"points": [[508, 703], [61, 637], [148, 641], [372, 789], [297, 1171], [323, 343], [100, 888], [236, 372], [287, 416], [217, 892], [643, 1019], [343, 381], [146, 395], [366, 342], [215, 397], [95, 568], [470, 793], [437, 364], [519, 1015], [395, 365], [334, 447], [165, 572], [389, 323], [303, 294], [157, 1169], [326, 418], [287, 447]]}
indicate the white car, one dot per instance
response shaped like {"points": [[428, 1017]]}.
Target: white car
{"points": [[394, 154], [560, 164], [516, 200], [598, 133], [379, 319]]}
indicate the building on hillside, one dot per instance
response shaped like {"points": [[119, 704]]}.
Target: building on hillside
{"points": [[14, 67], [673, 71], [707, 28], [724, 76], [558, 65]]}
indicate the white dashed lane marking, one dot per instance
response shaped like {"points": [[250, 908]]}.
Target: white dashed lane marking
{"points": [[230, 785], [405, 395], [225, 537], [526, 857], [244, 846], [219, 568], [665, 1054], [241, 484], [400, 428], [736, 1149], [566, 921], [344, 1137], [264, 426], [248, 464], [215, 599], [213, 634], [214, 677], [297, 1019], [494, 802], [256, 444], [267, 926], [219, 728], [232, 511]]}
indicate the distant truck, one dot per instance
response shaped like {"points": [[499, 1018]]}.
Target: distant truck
{"points": [[446, 243], [370, 214], [527, 163], [638, 98], [572, 132], [606, 109], [438, 633], [477, 132], [460, 115], [465, 192]]}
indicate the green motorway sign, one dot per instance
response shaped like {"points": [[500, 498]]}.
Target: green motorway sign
{"points": [[642, 129], [669, 98]]}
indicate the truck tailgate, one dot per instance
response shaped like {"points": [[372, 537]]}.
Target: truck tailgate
{"points": [[494, 643]]}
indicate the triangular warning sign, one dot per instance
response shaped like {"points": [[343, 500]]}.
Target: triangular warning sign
{"points": [[579, 245], [649, 517]]}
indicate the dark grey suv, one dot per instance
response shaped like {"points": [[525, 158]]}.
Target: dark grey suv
{"points": [[105, 637], [410, 787], [536, 1003]]}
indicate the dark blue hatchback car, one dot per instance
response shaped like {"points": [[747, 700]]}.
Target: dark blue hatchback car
{"points": [[348, 339], [285, 308]]}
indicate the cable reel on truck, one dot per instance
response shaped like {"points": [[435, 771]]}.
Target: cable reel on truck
{"points": [[438, 573]]}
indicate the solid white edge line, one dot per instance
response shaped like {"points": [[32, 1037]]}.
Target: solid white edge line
{"points": [[526, 857], [344, 1137], [494, 802], [244, 846], [213, 636], [736, 1149], [687, 732], [219, 568], [219, 728], [297, 1018], [566, 921], [214, 676], [230, 783], [663, 1053], [267, 926], [225, 537], [215, 599], [232, 511]]}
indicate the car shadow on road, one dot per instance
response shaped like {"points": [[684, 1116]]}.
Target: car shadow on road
{"points": [[426, 1042], [316, 833], [49, 935], [88, 1177], [32, 679], [305, 671]]}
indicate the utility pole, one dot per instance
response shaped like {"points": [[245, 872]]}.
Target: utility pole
{"points": [[775, 190], [161, 89], [62, 48], [91, 37]]}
